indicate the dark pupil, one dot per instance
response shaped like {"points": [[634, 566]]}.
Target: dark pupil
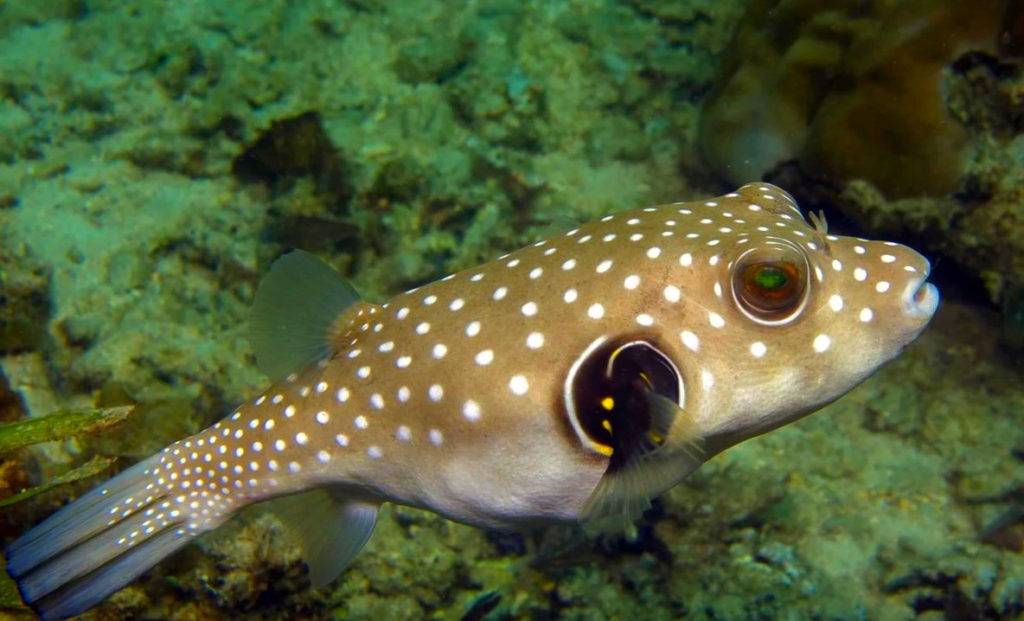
{"points": [[771, 278]]}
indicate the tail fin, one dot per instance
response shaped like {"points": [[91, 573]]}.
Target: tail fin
{"points": [[100, 542]]}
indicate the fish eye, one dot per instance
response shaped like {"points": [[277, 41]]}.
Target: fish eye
{"points": [[770, 283]]}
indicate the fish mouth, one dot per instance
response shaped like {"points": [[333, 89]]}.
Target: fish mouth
{"points": [[921, 298]]}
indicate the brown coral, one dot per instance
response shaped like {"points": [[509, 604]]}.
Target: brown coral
{"points": [[854, 90]]}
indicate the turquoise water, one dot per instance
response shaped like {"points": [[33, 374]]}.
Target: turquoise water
{"points": [[156, 157]]}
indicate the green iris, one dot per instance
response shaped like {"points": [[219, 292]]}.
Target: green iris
{"points": [[771, 279]]}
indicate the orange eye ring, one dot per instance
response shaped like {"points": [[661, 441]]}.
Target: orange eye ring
{"points": [[770, 283]]}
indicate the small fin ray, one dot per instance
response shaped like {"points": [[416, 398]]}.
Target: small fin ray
{"points": [[295, 306], [331, 529]]}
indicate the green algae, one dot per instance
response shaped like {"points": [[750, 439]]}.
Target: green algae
{"points": [[92, 467], [60, 426]]}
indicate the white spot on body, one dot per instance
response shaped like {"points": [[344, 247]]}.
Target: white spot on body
{"points": [[596, 311], [707, 380], [690, 339], [471, 410], [519, 385], [835, 302], [484, 357], [758, 349], [821, 343], [535, 340]]}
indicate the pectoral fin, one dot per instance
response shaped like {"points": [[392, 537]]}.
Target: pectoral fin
{"points": [[657, 461]]}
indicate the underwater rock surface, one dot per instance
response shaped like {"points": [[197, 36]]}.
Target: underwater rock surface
{"points": [[460, 131]]}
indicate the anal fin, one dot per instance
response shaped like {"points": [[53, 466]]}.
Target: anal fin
{"points": [[332, 529]]}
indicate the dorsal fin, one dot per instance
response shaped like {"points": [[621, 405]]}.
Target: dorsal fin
{"points": [[296, 304]]}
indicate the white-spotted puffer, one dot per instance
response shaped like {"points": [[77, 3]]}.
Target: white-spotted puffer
{"points": [[576, 378]]}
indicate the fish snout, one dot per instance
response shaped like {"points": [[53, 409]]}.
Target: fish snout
{"points": [[919, 297]]}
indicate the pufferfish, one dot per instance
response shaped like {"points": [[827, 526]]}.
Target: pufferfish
{"points": [[573, 380]]}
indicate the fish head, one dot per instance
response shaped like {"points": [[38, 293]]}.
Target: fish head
{"points": [[782, 318]]}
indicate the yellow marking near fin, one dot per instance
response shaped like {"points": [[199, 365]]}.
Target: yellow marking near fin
{"points": [[604, 449], [646, 379], [608, 403], [607, 424]]}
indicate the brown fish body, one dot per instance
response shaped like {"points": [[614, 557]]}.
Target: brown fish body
{"points": [[575, 378]]}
